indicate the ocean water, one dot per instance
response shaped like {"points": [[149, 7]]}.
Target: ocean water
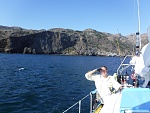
{"points": [[47, 83]]}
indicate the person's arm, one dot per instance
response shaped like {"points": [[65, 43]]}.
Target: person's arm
{"points": [[89, 75], [116, 84]]}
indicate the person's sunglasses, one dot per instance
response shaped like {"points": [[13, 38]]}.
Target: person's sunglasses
{"points": [[101, 70]]}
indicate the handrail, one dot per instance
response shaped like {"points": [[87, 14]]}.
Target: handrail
{"points": [[79, 102], [122, 64]]}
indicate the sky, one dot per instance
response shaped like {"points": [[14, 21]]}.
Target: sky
{"points": [[111, 16]]}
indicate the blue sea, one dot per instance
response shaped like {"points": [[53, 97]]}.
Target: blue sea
{"points": [[47, 83]]}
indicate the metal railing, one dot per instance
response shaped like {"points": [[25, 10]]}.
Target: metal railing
{"points": [[92, 93], [123, 65], [79, 102]]}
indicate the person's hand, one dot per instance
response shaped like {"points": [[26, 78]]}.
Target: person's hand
{"points": [[120, 88], [98, 69]]}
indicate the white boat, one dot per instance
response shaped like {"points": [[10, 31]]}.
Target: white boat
{"points": [[134, 98]]}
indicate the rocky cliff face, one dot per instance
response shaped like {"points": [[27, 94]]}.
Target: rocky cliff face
{"points": [[63, 41]]}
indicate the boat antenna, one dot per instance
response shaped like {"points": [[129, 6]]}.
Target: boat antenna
{"points": [[138, 39]]}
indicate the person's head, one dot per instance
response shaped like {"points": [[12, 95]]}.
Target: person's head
{"points": [[103, 71]]}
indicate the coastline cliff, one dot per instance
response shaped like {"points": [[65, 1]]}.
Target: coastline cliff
{"points": [[65, 42]]}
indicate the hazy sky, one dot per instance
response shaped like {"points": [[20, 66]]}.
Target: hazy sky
{"points": [[110, 16]]}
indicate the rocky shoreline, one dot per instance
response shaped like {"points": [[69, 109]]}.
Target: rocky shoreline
{"points": [[64, 42]]}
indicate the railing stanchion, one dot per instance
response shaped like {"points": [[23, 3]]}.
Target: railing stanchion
{"points": [[79, 106], [76, 104], [90, 102]]}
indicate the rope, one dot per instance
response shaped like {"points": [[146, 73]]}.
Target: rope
{"points": [[116, 100], [119, 52], [118, 47]]}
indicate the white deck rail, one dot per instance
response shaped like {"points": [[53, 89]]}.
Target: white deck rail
{"points": [[123, 66], [80, 102]]}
